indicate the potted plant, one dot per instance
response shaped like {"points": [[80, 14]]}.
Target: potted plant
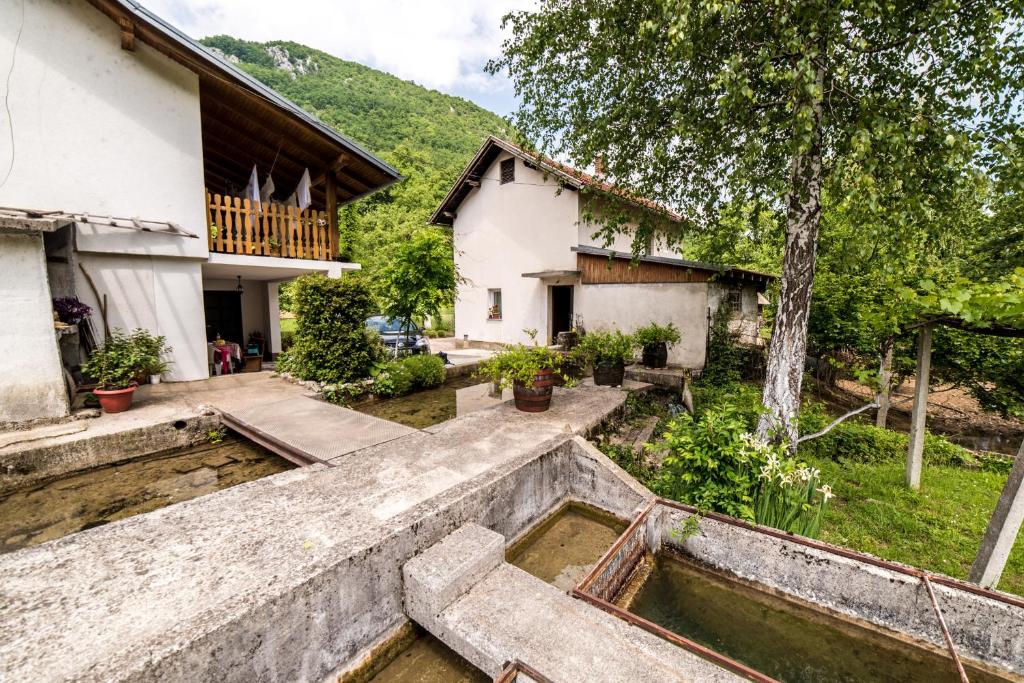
{"points": [[114, 366], [608, 352], [151, 350], [655, 341], [529, 370]]}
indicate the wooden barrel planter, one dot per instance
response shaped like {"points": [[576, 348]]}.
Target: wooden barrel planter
{"points": [[609, 374], [535, 399], [655, 355]]}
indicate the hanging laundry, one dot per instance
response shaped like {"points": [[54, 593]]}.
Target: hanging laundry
{"points": [[302, 195], [267, 189], [252, 190]]}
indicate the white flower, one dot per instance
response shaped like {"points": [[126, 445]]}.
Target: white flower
{"points": [[826, 491]]}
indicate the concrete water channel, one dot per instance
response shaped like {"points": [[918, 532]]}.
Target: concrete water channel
{"points": [[495, 544]]}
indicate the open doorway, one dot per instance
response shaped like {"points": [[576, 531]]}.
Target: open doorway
{"points": [[561, 310], [223, 315]]}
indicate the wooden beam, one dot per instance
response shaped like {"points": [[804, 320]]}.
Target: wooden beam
{"points": [[915, 447], [330, 167], [127, 33], [332, 216]]}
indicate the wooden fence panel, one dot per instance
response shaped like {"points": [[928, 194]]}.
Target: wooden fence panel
{"points": [[239, 226]]}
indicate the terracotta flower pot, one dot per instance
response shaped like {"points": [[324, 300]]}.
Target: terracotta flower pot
{"points": [[655, 355], [535, 399], [609, 374], [115, 400]]}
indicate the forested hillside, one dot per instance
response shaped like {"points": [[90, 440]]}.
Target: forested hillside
{"points": [[427, 135]]}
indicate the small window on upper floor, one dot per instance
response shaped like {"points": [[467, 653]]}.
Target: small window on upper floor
{"points": [[508, 171], [494, 304]]}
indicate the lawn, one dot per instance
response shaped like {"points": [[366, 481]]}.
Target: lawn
{"points": [[288, 324], [937, 528]]}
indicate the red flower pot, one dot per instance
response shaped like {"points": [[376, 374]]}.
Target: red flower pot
{"points": [[115, 400]]}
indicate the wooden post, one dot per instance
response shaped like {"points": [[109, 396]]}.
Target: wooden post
{"points": [[915, 449], [332, 216], [1002, 528]]}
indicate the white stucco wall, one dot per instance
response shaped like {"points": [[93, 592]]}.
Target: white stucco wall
{"points": [[31, 378], [163, 295], [106, 131], [99, 129], [627, 307], [501, 232], [590, 206]]}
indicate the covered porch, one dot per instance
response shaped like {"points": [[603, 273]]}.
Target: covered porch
{"points": [[241, 296]]}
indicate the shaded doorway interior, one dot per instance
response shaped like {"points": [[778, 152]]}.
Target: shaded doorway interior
{"points": [[223, 315], [561, 310]]}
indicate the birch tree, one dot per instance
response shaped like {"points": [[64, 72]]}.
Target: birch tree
{"points": [[700, 102]]}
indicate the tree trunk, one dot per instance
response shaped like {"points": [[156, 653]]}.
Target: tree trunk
{"points": [[788, 348], [884, 383]]}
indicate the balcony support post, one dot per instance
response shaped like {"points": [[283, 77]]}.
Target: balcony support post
{"points": [[332, 215]]}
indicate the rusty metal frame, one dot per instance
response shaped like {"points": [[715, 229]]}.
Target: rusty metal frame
{"points": [[508, 673], [271, 443], [580, 591]]}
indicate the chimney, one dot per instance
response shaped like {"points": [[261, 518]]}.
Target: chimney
{"points": [[599, 168]]}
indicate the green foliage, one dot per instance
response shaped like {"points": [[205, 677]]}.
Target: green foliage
{"points": [[519, 364], [710, 464], [426, 371], [867, 443], [789, 496], [419, 277], [655, 333], [743, 397], [391, 378], [122, 357], [331, 341], [152, 350], [724, 362], [605, 347]]}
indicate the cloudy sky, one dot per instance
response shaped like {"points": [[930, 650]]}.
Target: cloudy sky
{"points": [[441, 44]]}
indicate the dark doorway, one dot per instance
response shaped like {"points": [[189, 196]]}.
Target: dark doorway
{"points": [[223, 316], [561, 310]]}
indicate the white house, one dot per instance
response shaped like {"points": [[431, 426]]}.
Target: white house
{"points": [[530, 260], [121, 165]]}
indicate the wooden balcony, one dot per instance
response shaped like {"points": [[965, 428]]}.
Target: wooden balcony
{"points": [[238, 227]]}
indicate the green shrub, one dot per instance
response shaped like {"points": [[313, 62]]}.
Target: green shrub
{"points": [[605, 347], [655, 334], [744, 398], [867, 443], [331, 341], [426, 371], [519, 364], [115, 364], [391, 379], [724, 363]]}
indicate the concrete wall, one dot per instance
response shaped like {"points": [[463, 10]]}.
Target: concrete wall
{"points": [[162, 295], [745, 322], [32, 384], [107, 131], [501, 232], [627, 307], [100, 129]]}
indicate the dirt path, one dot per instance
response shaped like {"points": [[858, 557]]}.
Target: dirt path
{"points": [[951, 412]]}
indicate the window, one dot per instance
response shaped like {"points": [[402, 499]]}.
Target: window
{"points": [[494, 304], [508, 171], [734, 301]]}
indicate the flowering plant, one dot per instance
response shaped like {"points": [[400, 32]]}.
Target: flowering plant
{"points": [[789, 494], [70, 310]]}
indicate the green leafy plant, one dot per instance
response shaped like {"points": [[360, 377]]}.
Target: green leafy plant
{"points": [[331, 342], [391, 379], [216, 436], [426, 371], [115, 364], [789, 496], [605, 347], [710, 464], [519, 364], [657, 334], [152, 350]]}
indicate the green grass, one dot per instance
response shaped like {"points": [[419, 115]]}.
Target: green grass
{"points": [[288, 324], [937, 528]]}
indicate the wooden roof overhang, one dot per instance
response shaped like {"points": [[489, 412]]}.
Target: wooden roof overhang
{"points": [[605, 266], [244, 122]]}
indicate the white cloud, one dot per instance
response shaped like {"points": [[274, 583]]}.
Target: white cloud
{"points": [[441, 44]]}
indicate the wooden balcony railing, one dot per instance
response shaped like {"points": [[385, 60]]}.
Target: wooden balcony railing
{"points": [[239, 227]]}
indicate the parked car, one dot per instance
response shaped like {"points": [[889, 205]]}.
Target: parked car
{"points": [[393, 334]]}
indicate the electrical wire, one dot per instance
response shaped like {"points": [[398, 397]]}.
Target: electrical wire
{"points": [[7, 95]]}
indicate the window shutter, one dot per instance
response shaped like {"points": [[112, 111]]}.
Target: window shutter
{"points": [[508, 171]]}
